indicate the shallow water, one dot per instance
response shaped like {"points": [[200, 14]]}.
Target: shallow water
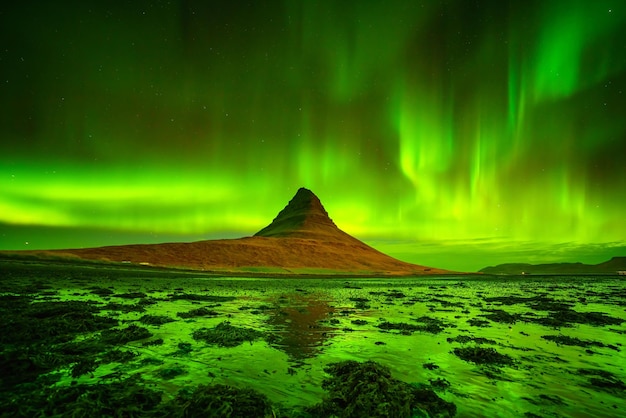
{"points": [[309, 323]]}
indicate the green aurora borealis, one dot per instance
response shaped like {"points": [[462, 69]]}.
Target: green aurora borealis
{"points": [[450, 133]]}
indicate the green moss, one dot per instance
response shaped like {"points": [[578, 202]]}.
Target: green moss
{"points": [[439, 383], [100, 291], [566, 340], [125, 335], [130, 295], [197, 312], [400, 326], [568, 317], [480, 355], [183, 349], [123, 307], [38, 338], [498, 315], [604, 381], [219, 401], [205, 298], [226, 335], [431, 325], [48, 322], [463, 339], [361, 303], [84, 366], [171, 372], [158, 341], [127, 398], [368, 390], [155, 319], [118, 356], [475, 322]]}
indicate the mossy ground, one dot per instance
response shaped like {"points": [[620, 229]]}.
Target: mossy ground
{"points": [[79, 342], [368, 390], [226, 335]]}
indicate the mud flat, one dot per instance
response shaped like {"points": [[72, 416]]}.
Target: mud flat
{"points": [[78, 341]]}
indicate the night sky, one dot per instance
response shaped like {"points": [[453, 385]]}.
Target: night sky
{"points": [[457, 134]]}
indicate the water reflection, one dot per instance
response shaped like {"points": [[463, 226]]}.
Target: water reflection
{"points": [[298, 328]]}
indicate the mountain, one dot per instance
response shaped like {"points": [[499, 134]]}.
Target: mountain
{"points": [[302, 239], [613, 266], [303, 217]]}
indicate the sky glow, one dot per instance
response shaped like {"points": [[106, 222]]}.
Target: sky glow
{"points": [[450, 133]]}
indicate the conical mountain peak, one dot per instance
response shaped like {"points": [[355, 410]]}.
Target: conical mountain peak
{"points": [[303, 216]]}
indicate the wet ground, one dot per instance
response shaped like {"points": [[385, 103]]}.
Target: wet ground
{"points": [[78, 339]]}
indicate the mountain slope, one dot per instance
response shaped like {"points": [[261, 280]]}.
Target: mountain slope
{"points": [[302, 239]]}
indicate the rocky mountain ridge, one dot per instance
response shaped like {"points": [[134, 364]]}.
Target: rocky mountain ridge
{"points": [[613, 266]]}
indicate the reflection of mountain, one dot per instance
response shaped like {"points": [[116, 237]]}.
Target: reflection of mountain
{"points": [[613, 266], [301, 240], [298, 331]]}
